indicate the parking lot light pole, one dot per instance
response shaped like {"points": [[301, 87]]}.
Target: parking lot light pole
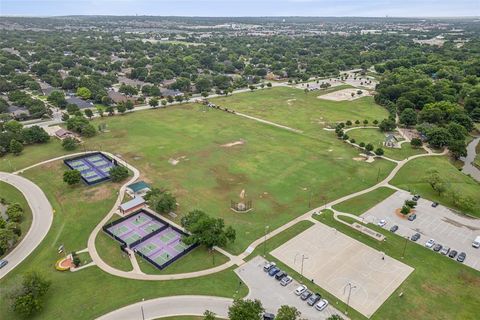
{"points": [[349, 293], [143, 314], [405, 247], [303, 259], [265, 242]]}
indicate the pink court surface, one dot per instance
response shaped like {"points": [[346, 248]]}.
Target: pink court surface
{"points": [[333, 260]]}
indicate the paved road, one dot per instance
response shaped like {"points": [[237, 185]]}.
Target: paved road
{"points": [[468, 167], [171, 306], [42, 219]]}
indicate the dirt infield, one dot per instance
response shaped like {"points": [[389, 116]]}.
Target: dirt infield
{"points": [[344, 95], [334, 260]]}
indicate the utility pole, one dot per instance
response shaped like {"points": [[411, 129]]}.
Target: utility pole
{"points": [[265, 242], [404, 247], [349, 293], [303, 259]]}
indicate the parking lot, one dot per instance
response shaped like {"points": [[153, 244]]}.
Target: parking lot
{"points": [[334, 260], [268, 290], [441, 224]]}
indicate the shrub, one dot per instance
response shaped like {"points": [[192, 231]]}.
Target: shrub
{"points": [[118, 173], [405, 210]]}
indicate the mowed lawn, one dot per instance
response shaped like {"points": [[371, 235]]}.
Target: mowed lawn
{"points": [[438, 288], [89, 293], [413, 177], [376, 138], [281, 172], [13, 195], [364, 202], [300, 110]]}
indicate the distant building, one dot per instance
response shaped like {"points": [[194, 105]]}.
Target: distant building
{"points": [[118, 97], [80, 103], [132, 205], [46, 88], [169, 92], [137, 189], [63, 134], [391, 141]]}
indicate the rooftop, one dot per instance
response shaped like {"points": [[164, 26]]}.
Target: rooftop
{"points": [[132, 203]]}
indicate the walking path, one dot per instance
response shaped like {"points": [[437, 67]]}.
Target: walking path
{"points": [[171, 306], [469, 167], [42, 213], [268, 122]]}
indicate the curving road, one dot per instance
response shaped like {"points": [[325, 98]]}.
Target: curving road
{"points": [[42, 213], [171, 306]]}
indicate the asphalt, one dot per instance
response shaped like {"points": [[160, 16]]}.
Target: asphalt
{"points": [[42, 213]]}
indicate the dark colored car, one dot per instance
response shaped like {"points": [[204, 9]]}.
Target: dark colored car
{"points": [[437, 247], [415, 237], [453, 254], [416, 197], [412, 217], [314, 299], [434, 204], [280, 275], [3, 263], [306, 295], [461, 257], [268, 316], [394, 228], [273, 271]]}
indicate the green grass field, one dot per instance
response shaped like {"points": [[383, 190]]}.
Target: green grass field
{"points": [[376, 138], [412, 177], [438, 288], [300, 110], [13, 195], [364, 202]]}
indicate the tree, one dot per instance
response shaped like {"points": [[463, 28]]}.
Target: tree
{"points": [[416, 142], [375, 122], [13, 126], [72, 177], [88, 113], [435, 181], [28, 300], [118, 173], [15, 147], [57, 98], [15, 212], [457, 149], [163, 202], [35, 134], [69, 143], [245, 309], [252, 87], [408, 117], [335, 316], [288, 313], [121, 108], [84, 93], [207, 230], [348, 123], [209, 315], [379, 152], [269, 84], [438, 137], [153, 102], [365, 122], [357, 122], [362, 144], [387, 125], [164, 102], [369, 147]]}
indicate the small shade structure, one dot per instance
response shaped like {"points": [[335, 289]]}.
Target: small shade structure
{"points": [[132, 205], [137, 189]]}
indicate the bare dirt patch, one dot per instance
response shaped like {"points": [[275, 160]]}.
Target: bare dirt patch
{"points": [[344, 95], [175, 161], [359, 159], [97, 194], [233, 144], [290, 101]]}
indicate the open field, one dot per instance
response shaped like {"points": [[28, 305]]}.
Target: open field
{"points": [[412, 177], [362, 203], [303, 111], [434, 276], [376, 138], [94, 292], [12, 195]]}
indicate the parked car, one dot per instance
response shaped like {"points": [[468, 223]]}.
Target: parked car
{"points": [[461, 257], [453, 254], [273, 271], [314, 299], [3, 263], [286, 281], [434, 204], [382, 223], [321, 305], [301, 289], [476, 242], [306, 295], [280, 275], [416, 197], [269, 266], [268, 316], [412, 217], [437, 247], [394, 228], [445, 251], [415, 237], [429, 243]]}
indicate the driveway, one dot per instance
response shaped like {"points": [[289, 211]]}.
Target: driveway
{"points": [[42, 219], [273, 295], [441, 224], [171, 306]]}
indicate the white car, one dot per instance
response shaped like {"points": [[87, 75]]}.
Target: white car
{"points": [[321, 305], [382, 223], [269, 266], [285, 281], [430, 243], [300, 290]]}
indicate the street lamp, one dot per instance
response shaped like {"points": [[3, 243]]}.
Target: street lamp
{"points": [[303, 259], [404, 247], [349, 293], [265, 242], [141, 307]]}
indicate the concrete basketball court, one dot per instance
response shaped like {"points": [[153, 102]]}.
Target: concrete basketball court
{"points": [[334, 260]]}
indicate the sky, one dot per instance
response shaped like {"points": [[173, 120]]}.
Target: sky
{"points": [[322, 8]]}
